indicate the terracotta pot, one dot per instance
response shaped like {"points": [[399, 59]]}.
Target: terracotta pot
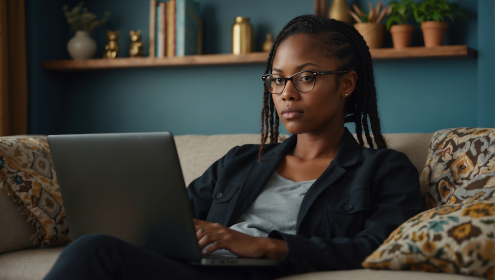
{"points": [[402, 35], [434, 33], [372, 32]]}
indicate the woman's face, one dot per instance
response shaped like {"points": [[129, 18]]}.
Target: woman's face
{"points": [[323, 107]]}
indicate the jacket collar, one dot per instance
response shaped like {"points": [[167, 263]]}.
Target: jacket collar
{"points": [[348, 153]]}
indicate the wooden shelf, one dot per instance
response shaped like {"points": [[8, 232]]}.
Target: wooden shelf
{"points": [[416, 53], [412, 53]]}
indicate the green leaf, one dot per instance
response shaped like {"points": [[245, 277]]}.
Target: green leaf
{"points": [[437, 17], [413, 249], [488, 222], [439, 253], [485, 262], [453, 219]]}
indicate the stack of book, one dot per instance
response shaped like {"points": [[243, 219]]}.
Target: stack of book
{"points": [[176, 28]]}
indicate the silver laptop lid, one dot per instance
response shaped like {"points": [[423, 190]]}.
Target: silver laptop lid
{"points": [[118, 184]]}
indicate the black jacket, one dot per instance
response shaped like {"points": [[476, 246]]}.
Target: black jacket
{"points": [[362, 196]]}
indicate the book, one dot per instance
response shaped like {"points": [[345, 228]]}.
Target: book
{"points": [[160, 29], [152, 28], [163, 31], [157, 30], [187, 27], [170, 37]]}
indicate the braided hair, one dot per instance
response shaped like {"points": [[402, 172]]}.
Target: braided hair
{"points": [[342, 42]]}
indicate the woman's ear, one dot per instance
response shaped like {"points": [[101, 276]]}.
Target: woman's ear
{"points": [[348, 83]]}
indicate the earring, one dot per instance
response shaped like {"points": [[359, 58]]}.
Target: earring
{"points": [[346, 95]]}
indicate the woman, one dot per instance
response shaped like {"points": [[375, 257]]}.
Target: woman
{"points": [[317, 201]]}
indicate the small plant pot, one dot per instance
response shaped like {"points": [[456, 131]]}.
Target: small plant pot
{"points": [[402, 35], [434, 33], [372, 32]]}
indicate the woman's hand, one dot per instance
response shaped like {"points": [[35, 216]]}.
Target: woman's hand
{"points": [[242, 245]]}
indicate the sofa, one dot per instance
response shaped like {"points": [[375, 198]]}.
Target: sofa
{"points": [[20, 259]]}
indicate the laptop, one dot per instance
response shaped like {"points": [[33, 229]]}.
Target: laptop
{"points": [[130, 185]]}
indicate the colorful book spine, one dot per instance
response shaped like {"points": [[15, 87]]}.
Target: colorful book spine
{"points": [[163, 31], [187, 27], [157, 31], [171, 28], [152, 40]]}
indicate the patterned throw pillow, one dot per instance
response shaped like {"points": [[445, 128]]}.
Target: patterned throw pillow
{"points": [[28, 176], [460, 167], [456, 238]]}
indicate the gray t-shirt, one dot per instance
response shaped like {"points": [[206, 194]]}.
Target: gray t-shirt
{"points": [[275, 208]]}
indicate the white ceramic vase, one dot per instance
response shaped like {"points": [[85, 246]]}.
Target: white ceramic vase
{"points": [[81, 46]]}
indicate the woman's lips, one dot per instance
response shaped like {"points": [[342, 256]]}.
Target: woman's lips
{"points": [[291, 113]]}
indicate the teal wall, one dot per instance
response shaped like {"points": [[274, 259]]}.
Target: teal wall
{"points": [[414, 96]]}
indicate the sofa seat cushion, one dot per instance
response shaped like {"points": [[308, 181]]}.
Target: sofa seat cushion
{"points": [[31, 264], [377, 275], [34, 264]]}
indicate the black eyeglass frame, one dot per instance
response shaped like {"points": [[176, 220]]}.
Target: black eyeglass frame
{"points": [[291, 78]]}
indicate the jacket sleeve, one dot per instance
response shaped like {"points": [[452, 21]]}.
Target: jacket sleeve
{"points": [[200, 191], [394, 200]]}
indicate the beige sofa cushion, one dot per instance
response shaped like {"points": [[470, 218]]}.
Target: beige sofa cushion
{"points": [[34, 264], [198, 152], [377, 275]]}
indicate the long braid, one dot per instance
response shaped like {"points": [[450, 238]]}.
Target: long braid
{"points": [[272, 111], [348, 46]]}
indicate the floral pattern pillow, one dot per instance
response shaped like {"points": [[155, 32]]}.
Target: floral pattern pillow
{"points": [[456, 238], [460, 167], [28, 176]]}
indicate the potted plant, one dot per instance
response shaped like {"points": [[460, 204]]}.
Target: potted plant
{"points": [[401, 31], [369, 25], [431, 14], [82, 46]]}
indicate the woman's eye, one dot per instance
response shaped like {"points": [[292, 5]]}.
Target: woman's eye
{"points": [[307, 78], [279, 81]]}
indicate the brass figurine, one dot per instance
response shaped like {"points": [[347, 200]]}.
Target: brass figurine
{"points": [[112, 47], [136, 49]]}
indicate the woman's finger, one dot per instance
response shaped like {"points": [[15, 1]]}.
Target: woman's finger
{"points": [[220, 244], [209, 238]]}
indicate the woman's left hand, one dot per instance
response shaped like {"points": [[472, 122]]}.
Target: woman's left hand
{"points": [[242, 245]]}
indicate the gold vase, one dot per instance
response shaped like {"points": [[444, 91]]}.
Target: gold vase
{"points": [[242, 36], [339, 10]]}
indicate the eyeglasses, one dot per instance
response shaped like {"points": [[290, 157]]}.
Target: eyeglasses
{"points": [[303, 81]]}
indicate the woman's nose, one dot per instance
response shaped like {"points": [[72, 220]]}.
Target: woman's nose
{"points": [[290, 92]]}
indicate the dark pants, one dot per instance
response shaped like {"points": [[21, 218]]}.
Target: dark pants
{"points": [[99, 256]]}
